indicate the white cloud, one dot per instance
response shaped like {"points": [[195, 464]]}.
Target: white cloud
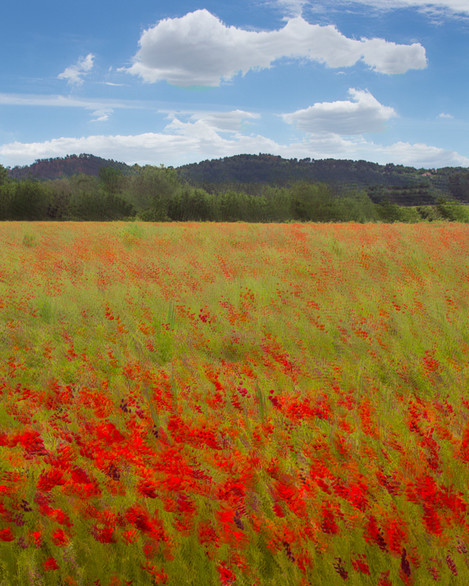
{"points": [[101, 109], [450, 7], [188, 142], [198, 49], [422, 155], [444, 115], [293, 7], [221, 121], [102, 115], [74, 74], [363, 114]]}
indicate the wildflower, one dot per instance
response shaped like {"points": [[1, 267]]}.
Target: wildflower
{"points": [[37, 538], [50, 564], [405, 566], [6, 535], [207, 534], [226, 575], [384, 579], [48, 480], [328, 524], [451, 565], [60, 538], [340, 569], [22, 543], [360, 564], [373, 533], [147, 488]]}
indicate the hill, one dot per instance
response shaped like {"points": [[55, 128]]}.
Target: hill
{"points": [[66, 167], [399, 184]]}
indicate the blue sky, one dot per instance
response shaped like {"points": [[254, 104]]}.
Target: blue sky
{"points": [[153, 82]]}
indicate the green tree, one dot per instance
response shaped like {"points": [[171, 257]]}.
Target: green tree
{"points": [[112, 180], [452, 210], [233, 206], [29, 201], [60, 194], [313, 202], [3, 175], [409, 215], [388, 212], [151, 189], [6, 195], [355, 207], [278, 203]]}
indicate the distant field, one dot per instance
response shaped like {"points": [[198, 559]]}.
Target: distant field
{"points": [[234, 404]]}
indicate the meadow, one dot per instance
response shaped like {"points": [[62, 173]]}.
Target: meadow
{"points": [[234, 404]]}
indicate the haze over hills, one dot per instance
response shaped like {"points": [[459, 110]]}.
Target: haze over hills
{"points": [[401, 184]]}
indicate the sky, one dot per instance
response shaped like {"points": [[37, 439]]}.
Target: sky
{"points": [[161, 83]]}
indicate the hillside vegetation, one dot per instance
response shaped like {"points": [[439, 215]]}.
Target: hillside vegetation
{"points": [[248, 188]]}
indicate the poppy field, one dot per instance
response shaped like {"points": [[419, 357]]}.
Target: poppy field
{"points": [[234, 404]]}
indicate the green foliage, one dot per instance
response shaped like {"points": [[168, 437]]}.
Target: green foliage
{"points": [[153, 215], [409, 215], [28, 200], [159, 194], [278, 203], [29, 240], [388, 212], [313, 203], [151, 189], [429, 213], [3, 175], [356, 207], [6, 195], [191, 205], [453, 211], [111, 180]]}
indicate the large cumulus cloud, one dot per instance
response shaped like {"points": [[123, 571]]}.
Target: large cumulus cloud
{"points": [[198, 49]]}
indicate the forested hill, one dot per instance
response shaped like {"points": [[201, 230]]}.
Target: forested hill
{"points": [[66, 167], [276, 170], [279, 171], [400, 184]]}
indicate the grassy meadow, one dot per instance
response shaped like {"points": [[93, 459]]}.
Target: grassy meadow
{"points": [[234, 404]]}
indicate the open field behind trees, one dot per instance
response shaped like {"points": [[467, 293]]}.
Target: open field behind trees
{"points": [[234, 403]]}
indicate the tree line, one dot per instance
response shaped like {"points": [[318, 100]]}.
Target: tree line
{"points": [[159, 194]]}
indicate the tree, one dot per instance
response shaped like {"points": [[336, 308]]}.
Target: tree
{"points": [[29, 201], [388, 212], [452, 210], [313, 202], [111, 180], [3, 175], [278, 203], [356, 207], [151, 189]]}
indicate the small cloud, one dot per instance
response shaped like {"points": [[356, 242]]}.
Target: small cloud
{"points": [[74, 74], [102, 115], [444, 115], [444, 7], [114, 84], [293, 7], [225, 121], [360, 115]]}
